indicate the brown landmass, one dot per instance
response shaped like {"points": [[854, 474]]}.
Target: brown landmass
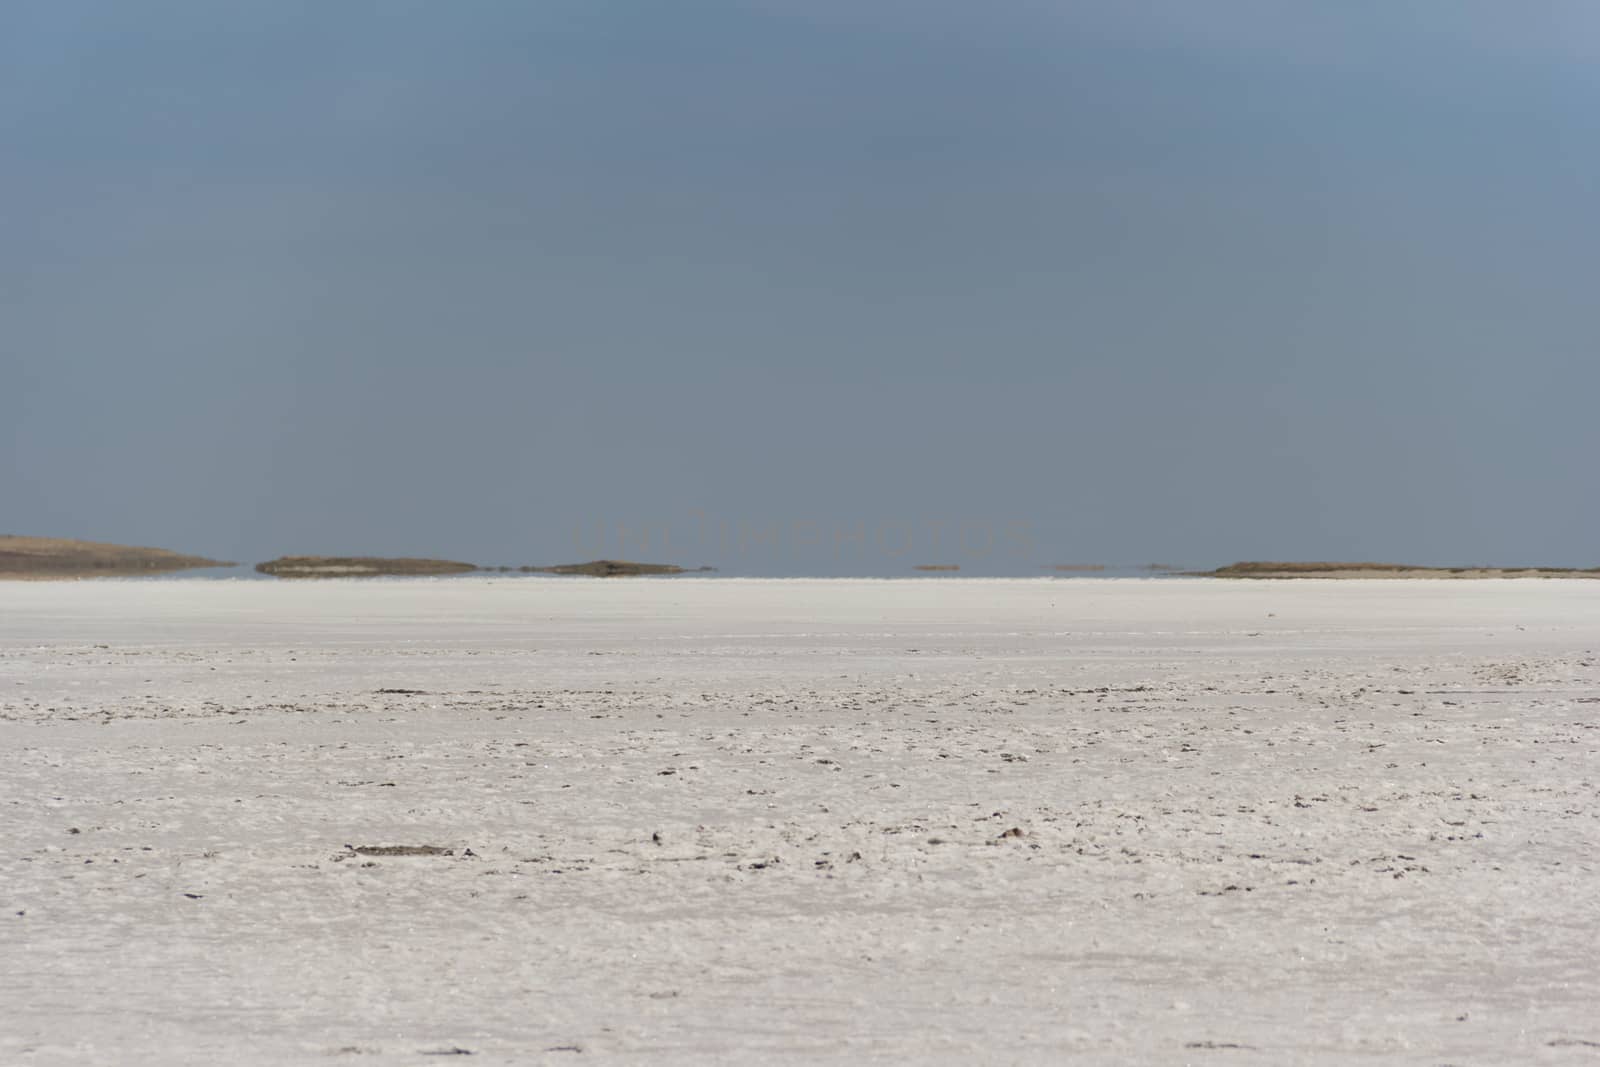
{"points": [[60, 558], [937, 567], [359, 567], [1268, 569], [615, 568]]}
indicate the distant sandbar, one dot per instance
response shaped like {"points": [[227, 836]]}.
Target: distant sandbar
{"points": [[380, 566], [359, 567], [1261, 569], [44, 558], [616, 568]]}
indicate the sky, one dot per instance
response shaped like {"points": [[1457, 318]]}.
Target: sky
{"points": [[804, 286]]}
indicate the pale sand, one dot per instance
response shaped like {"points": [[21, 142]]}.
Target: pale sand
{"points": [[1323, 822]]}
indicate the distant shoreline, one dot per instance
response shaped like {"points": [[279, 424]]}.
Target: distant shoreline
{"points": [[1345, 571], [317, 567], [61, 559], [57, 558], [313, 567]]}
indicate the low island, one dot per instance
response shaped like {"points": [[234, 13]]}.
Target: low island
{"points": [[616, 568], [62, 558], [381, 566], [359, 567], [1267, 569]]}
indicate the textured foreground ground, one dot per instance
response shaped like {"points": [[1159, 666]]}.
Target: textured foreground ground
{"points": [[1031, 821]]}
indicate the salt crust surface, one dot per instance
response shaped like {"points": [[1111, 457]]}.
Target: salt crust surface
{"points": [[767, 821]]}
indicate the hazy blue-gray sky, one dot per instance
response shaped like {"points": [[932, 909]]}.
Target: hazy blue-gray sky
{"points": [[1179, 281]]}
